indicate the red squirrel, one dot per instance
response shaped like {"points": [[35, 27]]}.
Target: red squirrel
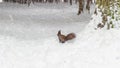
{"points": [[62, 38]]}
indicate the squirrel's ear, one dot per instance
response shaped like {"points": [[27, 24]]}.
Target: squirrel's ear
{"points": [[59, 32]]}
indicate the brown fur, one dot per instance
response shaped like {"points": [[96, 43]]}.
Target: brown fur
{"points": [[62, 38], [70, 36]]}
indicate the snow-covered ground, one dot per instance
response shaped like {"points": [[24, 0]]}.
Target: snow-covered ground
{"points": [[0, 1], [28, 38], [40, 21]]}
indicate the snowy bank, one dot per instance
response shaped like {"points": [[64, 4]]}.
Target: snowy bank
{"points": [[91, 49]]}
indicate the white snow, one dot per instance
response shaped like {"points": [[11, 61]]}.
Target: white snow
{"points": [[1, 1], [28, 38]]}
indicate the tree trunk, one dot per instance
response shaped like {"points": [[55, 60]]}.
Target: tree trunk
{"points": [[80, 6], [70, 2], [65, 0], [76, 1]]}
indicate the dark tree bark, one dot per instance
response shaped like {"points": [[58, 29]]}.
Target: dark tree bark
{"points": [[65, 0], [50, 1], [88, 5], [70, 2], [81, 6], [40, 1], [76, 1], [29, 2], [57, 1]]}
